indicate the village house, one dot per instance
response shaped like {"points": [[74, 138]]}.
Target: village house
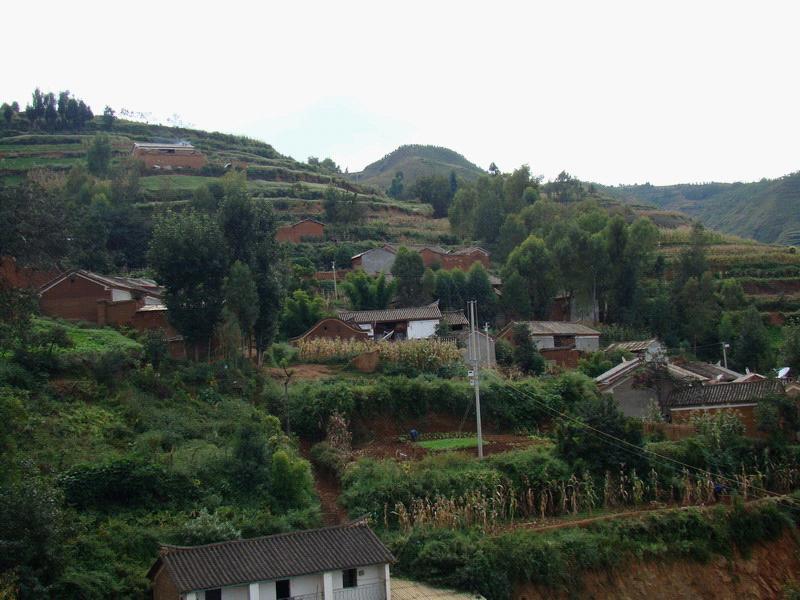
{"points": [[560, 343], [396, 323], [81, 295], [332, 328], [305, 229], [640, 386], [345, 562], [381, 260], [169, 157], [740, 399]]}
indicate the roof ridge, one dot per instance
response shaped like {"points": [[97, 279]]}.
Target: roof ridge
{"points": [[360, 522]]}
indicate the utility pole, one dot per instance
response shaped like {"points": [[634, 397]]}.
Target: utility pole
{"points": [[335, 291], [475, 355], [725, 346], [486, 336]]}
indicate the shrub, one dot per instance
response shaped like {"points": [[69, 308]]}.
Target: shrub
{"points": [[206, 528]]}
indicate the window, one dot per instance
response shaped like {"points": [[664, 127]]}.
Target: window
{"points": [[350, 578], [283, 589], [214, 594]]}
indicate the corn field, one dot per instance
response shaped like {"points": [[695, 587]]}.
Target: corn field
{"points": [[493, 510], [425, 355]]}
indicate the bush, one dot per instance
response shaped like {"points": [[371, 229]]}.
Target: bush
{"points": [[207, 528], [329, 459], [504, 352], [125, 482]]}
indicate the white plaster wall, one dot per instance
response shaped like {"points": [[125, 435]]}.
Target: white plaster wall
{"points": [[117, 295], [305, 584], [240, 592], [418, 330], [372, 574], [544, 341], [587, 343]]}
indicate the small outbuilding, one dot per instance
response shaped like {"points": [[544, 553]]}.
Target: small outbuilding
{"points": [[332, 328], [169, 157], [411, 323], [305, 229], [549, 335], [345, 562]]}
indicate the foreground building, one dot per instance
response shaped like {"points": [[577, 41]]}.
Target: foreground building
{"points": [[345, 562], [414, 323]]}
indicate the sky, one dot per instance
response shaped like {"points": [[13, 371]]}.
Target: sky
{"points": [[610, 91]]}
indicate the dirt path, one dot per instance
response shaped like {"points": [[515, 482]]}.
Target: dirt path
{"points": [[328, 489]]}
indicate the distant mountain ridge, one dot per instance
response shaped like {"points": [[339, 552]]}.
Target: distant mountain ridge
{"points": [[415, 161], [766, 210]]}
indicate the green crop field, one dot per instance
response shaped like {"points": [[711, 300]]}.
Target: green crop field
{"points": [[449, 444]]}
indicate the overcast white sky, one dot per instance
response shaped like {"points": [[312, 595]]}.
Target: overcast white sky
{"points": [[614, 92]]}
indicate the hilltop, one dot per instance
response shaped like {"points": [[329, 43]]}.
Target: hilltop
{"points": [[415, 161], [767, 210]]}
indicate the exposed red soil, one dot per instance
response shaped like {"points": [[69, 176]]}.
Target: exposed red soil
{"points": [[763, 575], [771, 286], [303, 371]]}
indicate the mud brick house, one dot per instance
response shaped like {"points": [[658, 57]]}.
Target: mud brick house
{"points": [[332, 329], [738, 398], [345, 562], [561, 343], [396, 323], [169, 157], [85, 296], [464, 258], [649, 349], [381, 260], [305, 229], [374, 261]]}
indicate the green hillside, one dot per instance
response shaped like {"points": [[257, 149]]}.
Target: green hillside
{"points": [[767, 210], [415, 161]]}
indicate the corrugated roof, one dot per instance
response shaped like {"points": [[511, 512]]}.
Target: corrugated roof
{"points": [[724, 393], [272, 557], [639, 346], [157, 145], [416, 313], [557, 328]]}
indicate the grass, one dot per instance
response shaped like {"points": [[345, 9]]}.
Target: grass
{"points": [[450, 444], [88, 340], [174, 182], [32, 162]]}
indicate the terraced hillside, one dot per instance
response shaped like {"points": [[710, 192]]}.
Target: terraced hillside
{"points": [[766, 210]]}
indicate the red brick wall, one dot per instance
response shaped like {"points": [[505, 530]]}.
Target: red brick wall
{"points": [[746, 414], [334, 328], [297, 232], [562, 357], [117, 313], [430, 257], [24, 277], [163, 587], [464, 261], [74, 299]]}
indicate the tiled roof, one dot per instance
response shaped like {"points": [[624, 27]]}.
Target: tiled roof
{"points": [[713, 372], [165, 146], [618, 371], [147, 286], [417, 313], [557, 328], [724, 393], [470, 250], [639, 346], [272, 557], [454, 317]]}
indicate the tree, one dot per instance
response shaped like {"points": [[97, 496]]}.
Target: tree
{"points": [[367, 293], [241, 298], [436, 191], [526, 354], [751, 348], [108, 118], [494, 169], [693, 261], [268, 267], [237, 217], [480, 289], [731, 295], [407, 271], [429, 284], [300, 313], [395, 189], [98, 156], [189, 257], [8, 112], [698, 311], [584, 448], [516, 301], [534, 263], [790, 352], [512, 234]]}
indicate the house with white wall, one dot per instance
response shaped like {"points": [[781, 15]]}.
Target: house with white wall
{"points": [[345, 562], [413, 323]]}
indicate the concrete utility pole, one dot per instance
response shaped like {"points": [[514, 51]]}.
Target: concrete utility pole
{"points": [[475, 355], [335, 291], [725, 346]]}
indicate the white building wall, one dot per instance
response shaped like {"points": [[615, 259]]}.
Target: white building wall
{"points": [[418, 330], [544, 342], [240, 592], [587, 343], [304, 584], [117, 295], [366, 576]]}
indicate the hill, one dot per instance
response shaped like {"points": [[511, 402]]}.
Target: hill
{"points": [[415, 161], [767, 210]]}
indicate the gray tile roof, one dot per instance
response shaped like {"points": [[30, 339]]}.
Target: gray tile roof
{"points": [[238, 562], [638, 346], [557, 328], [724, 393], [390, 315], [455, 317]]}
